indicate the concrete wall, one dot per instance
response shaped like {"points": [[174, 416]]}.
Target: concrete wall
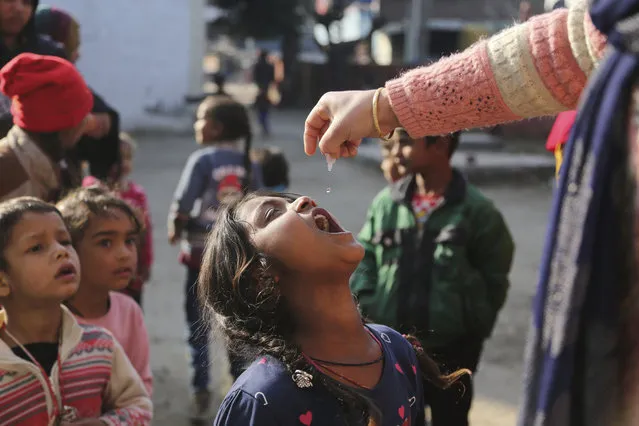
{"points": [[142, 56]]}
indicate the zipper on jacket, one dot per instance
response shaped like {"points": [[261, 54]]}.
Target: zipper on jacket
{"points": [[416, 263]]}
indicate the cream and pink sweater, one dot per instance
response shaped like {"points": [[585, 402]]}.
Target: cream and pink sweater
{"points": [[532, 69]]}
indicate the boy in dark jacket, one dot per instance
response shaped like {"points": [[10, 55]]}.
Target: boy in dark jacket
{"points": [[438, 255]]}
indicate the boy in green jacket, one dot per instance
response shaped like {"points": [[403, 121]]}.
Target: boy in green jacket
{"points": [[438, 255]]}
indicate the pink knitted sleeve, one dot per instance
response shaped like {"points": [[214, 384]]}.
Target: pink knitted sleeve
{"points": [[532, 69], [455, 93]]}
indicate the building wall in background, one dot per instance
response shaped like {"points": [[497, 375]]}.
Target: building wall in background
{"points": [[142, 56]]}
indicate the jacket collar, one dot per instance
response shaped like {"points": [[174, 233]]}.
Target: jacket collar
{"points": [[71, 336], [403, 189]]}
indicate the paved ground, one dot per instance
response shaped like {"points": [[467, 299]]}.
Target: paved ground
{"points": [[353, 184]]}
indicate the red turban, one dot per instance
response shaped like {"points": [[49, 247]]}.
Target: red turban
{"points": [[48, 93]]}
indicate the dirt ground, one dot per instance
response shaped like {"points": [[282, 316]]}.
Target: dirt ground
{"points": [[353, 185]]}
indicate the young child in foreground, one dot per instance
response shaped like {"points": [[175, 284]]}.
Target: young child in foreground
{"points": [[275, 276], [105, 232], [72, 374]]}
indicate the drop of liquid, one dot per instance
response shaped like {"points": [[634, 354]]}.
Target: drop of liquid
{"points": [[328, 190], [330, 161]]}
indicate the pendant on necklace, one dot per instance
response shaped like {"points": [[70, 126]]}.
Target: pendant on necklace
{"points": [[69, 414], [302, 379]]}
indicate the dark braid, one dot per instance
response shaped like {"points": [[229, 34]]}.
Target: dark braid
{"points": [[235, 125], [429, 368], [238, 290]]}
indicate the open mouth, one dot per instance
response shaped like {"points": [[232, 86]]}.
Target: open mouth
{"points": [[124, 272], [66, 271], [325, 222]]}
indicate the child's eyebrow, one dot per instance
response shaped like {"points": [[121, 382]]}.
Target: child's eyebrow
{"points": [[33, 236], [104, 234], [112, 233], [264, 204]]}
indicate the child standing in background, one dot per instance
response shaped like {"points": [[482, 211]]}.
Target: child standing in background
{"points": [[105, 231], [135, 195], [53, 370], [274, 168], [216, 174], [437, 254]]}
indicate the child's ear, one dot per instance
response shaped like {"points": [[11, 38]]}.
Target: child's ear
{"points": [[5, 289], [217, 129]]}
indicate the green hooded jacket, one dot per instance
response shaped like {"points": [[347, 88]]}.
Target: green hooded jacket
{"points": [[445, 282]]}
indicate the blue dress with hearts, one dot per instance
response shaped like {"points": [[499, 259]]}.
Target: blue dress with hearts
{"points": [[266, 395]]}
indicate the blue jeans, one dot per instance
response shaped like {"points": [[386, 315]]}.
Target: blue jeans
{"points": [[198, 333], [264, 122]]}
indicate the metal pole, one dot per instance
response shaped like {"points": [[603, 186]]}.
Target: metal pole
{"points": [[425, 13], [412, 33]]}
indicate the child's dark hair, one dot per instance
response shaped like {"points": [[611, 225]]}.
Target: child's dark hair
{"points": [[235, 125], [453, 139], [79, 206], [236, 286], [11, 213], [273, 164], [220, 80]]}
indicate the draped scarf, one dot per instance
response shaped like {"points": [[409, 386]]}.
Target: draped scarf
{"points": [[575, 350]]}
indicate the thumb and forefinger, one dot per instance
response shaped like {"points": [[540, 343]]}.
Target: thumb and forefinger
{"points": [[321, 130]]}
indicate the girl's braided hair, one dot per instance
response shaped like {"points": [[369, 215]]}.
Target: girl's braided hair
{"points": [[238, 290]]}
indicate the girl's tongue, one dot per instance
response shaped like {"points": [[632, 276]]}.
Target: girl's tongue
{"points": [[325, 222], [322, 222]]}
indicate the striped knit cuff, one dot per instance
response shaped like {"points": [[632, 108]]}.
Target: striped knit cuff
{"points": [[401, 104]]}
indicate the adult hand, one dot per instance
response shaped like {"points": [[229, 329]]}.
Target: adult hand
{"points": [[340, 121]]}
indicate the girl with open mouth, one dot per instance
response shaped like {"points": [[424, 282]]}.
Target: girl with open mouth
{"points": [[276, 275]]}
